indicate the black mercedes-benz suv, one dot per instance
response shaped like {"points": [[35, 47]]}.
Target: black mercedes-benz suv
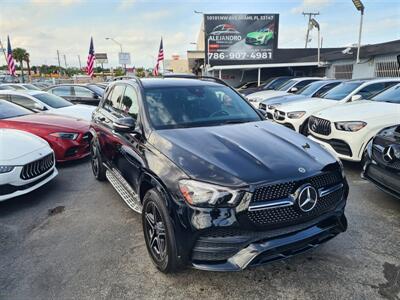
{"points": [[382, 164], [219, 188]]}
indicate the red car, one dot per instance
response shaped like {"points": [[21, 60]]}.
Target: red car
{"points": [[69, 137]]}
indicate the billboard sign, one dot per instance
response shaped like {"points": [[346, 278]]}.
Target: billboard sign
{"points": [[240, 38], [124, 58], [101, 58]]}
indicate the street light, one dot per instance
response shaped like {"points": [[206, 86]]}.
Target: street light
{"points": [[360, 7], [206, 60], [315, 24], [120, 47]]}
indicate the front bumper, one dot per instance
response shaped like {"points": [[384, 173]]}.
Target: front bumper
{"points": [[388, 181], [283, 246], [67, 150]]}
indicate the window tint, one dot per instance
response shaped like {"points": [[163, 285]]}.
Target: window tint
{"points": [[287, 85], [130, 102], [17, 87], [81, 91], [52, 100], [9, 110], [310, 89], [113, 101], [391, 95], [325, 88], [373, 89], [303, 83], [342, 90], [276, 83], [24, 101], [62, 91]]}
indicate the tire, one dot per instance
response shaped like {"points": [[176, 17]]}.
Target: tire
{"points": [[159, 233], [99, 171]]}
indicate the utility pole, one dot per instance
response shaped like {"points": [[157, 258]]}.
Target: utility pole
{"points": [[65, 61], [310, 16], [59, 64], [79, 59]]}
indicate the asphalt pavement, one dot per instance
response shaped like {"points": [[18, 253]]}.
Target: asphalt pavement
{"points": [[76, 239]]}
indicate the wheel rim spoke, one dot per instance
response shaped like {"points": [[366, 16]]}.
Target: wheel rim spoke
{"points": [[156, 232]]}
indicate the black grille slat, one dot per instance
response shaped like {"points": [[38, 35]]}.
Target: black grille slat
{"points": [[320, 126], [37, 167]]}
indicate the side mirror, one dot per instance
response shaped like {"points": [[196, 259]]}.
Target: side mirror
{"points": [[355, 98], [293, 90], [126, 124], [38, 107]]}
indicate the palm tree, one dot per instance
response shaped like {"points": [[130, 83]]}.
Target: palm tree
{"points": [[19, 55], [26, 59]]}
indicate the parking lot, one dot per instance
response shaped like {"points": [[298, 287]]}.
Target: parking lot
{"points": [[76, 238]]}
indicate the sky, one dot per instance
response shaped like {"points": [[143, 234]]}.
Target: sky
{"points": [[44, 26]]}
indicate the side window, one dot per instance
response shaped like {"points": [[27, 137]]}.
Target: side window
{"points": [[24, 102], [5, 97], [325, 88], [371, 90], [63, 91], [81, 91], [302, 84], [113, 101], [130, 102]]}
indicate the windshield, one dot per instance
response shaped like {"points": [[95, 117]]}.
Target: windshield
{"points": [[9, 110], [286, 86], [342, 90], [310, 89], [391, 95], [274, 84], [52, 100], [193, 106], [31, 87], [98, 90]]}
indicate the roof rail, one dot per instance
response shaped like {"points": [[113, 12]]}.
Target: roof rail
{"points": [[192, 76], [132, 77]]}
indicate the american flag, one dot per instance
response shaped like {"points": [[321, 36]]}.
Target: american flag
{"points": [[159, 58], [90, 59], [10, 59]]}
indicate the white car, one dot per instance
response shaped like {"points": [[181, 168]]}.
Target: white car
{"points": [[26, 163], [291, 86], [347, 129], [295, 115], [20, 86], [40, 101]]}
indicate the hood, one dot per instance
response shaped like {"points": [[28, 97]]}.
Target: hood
{"points": [[255, 34], [52, 120], [241, 154], [262, 95], [284, 99], [310, 105], [79, 111], [15, 144], [362, 110]]}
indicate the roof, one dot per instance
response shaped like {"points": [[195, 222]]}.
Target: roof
{"points": [[174, 82]]}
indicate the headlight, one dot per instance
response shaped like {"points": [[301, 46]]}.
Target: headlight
{"points": [[205, 194], [295, 114], [6, 169], [350, 126], [65, 135], [273, 106]]}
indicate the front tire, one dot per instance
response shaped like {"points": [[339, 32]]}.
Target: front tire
{"points": [[99, 171], [159, 233]]}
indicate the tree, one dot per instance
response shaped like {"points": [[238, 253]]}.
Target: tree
{"points": [[19, 55], [26, 59]]}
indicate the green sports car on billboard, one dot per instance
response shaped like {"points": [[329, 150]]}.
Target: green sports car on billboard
{"points": [[260, 37]]}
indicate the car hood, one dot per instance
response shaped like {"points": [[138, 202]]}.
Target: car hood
{"points": [[310, 105], [255, 34], [284, 99], [362, 110], [241, 154], [15, 144], [52, 120], [267, 94], [79, 111]]}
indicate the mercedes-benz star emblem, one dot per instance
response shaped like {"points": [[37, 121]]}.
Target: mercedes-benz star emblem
{"points": [[307, 198], [388, 154], [302, 170]]}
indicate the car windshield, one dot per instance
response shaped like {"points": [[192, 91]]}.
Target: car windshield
{"points": [[52, 100], [310, 89], [31, 87], [286, 86], [17, 87], [342, 90], [391, 95], [98, 90], [194, 106], [276, 84], [9, 110]]}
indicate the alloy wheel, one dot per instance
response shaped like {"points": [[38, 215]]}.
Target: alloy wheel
{"points": [[155, 232]]}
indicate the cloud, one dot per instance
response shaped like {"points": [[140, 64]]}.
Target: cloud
{"points": [[314, 5], [125, 4], [62, 2], [156, 15]]}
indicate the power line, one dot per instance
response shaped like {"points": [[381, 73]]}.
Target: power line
{"points": [[310, 15]]}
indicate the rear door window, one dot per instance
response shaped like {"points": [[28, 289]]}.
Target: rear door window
{"points": [[81, 91], [63, 91], [24, 102]]}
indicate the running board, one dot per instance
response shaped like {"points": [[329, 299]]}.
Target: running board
{"points": [[124, 190]]}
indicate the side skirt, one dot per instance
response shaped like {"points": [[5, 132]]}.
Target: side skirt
{"points": [[124, 190]]}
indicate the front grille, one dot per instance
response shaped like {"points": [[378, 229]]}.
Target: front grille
{"points": [[320, 126], [291, 214], [378, 157], [279, 115], [37, 167], [283, 190]]}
